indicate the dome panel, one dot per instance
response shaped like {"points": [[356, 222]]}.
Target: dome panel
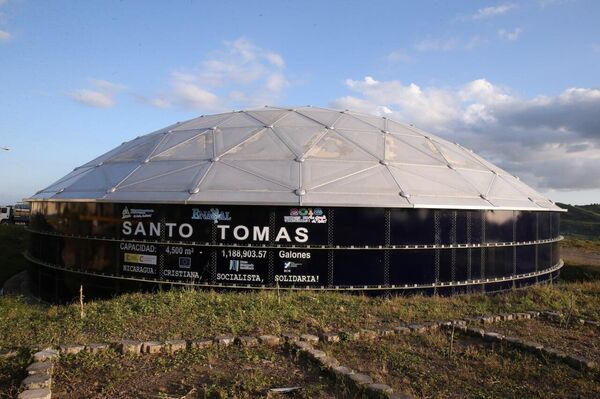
{"points": [[411, 150], [227, 138], [376, 121], [398, 128], [283, 172], [198, 147], [317, 172], [68, 180], [376, 180], [175, 139], [480, 180], [224, 177], [372, 142], [432, 181], [293, 118], [240, 119], [163, 176], [334, 146], [103, 178], [324, 117], [349, 122], [300, 139], [268, 117], [204, 122], [502, 189], [264, 145]]}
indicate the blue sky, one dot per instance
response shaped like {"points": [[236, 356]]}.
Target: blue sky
{"points": [[517, 82]]}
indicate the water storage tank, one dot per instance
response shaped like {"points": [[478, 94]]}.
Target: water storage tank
{"points": [[304, 198]]}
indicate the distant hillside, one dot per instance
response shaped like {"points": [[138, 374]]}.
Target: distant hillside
{"points": [[581, 220]]}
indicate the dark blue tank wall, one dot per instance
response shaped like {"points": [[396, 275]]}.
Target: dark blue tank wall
{"points": [[117, 247]]}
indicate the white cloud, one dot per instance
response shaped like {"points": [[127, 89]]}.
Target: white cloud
{"points": [[552, 142], [510, 35], [448, 44], [102, 96], [548, 3], [4, 36], [240, 74], [400, 56], [192, 96], [493, 11], [92, 98], [437, 44]]}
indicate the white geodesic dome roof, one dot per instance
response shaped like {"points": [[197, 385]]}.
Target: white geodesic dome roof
{"points": [[301, 156]]}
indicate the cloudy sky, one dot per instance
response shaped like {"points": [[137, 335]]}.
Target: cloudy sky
{"points": [[517, 82]]}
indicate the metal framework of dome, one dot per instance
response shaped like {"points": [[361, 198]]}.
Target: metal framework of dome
{"points": [[301, 156]]}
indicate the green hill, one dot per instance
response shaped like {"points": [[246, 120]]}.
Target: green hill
{"points": [[581, 220]]}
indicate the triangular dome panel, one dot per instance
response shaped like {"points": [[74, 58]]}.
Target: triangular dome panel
{"points": [[373, 143], [300, 139], [433, 181], [163, 176], [317, 172], [283, 172], [324, 117], [204, 122], [334, 146], [376, 181], [265, 145], [268, 117], [198, 147], [411, 150], [349, 122], [223, 177]]}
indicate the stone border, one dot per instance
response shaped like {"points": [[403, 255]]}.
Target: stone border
{"points": [[576, 362], [558, 317], [38, 383], [343, 375]]}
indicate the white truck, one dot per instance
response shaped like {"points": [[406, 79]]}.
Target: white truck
{"points": [[15, 214]]}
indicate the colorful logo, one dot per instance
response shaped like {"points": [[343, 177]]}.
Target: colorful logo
{"points": [[306, 215], [185, 262], [213, 214], [288, 266], [136, 213]]}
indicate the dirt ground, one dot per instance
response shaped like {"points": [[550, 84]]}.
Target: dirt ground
{"points": [[431, 366], [231, 372], [580, 256]]}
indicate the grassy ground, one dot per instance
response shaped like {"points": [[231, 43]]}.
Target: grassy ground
{"points": [[190, 374], [13, 241], [198, 314], [429, 366], [12, 372]]}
